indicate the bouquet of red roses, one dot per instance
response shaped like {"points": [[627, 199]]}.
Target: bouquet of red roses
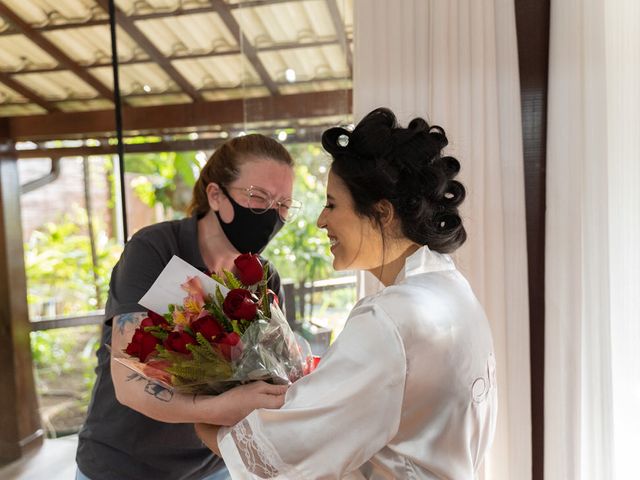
{"points": [[227, 330]]}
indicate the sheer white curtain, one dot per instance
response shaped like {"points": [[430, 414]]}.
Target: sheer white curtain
{"points": [[455, 62], [592, 380]]}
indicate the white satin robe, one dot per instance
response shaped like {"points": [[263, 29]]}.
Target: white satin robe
{"points": [[407, 391]]}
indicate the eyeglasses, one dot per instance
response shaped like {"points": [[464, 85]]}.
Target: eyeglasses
{"points": [[259, 201]]}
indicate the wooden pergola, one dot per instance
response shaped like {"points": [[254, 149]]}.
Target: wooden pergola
{"points": [[56, 83]]}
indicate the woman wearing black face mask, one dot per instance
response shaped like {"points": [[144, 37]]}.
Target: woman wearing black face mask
{"points": [[134, 429], [242, 199]]}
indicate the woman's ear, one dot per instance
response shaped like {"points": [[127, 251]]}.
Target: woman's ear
{"points": [[386, 213], [214, 194]]}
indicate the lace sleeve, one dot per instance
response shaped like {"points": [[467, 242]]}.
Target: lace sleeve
{"points": [[258, 454]]}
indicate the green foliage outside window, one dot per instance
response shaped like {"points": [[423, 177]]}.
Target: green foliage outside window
{"points": [[62, 278], [301, 250], [165, 178]]}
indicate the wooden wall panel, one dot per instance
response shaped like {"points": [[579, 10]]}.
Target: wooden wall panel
{"points": [[532, 22], [19, 418]]}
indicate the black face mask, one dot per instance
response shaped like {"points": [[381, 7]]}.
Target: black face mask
{"points": [[250, 232]]}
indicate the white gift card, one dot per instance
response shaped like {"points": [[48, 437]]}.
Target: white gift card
{"points": [[166, 289]]}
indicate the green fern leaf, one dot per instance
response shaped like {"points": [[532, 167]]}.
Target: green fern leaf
{"points": [[263, 290], [236, 328], [218, 278], [216, 309], [219, 296], [232, 281]]}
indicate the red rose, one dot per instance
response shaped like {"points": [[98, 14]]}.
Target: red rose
{"points": [[226, 343], [178, 341], [249, 268], [239, 305], [142, 344], [154, 320], [231, 338], [208, 326]]}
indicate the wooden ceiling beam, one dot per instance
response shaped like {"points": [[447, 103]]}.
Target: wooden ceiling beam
{"points": [[27, 93], [164, 146], [182, 116], [338, 25], [231, 89], [53, 50], [210, 90], [223, 10], [309, 134], [154, 53]]}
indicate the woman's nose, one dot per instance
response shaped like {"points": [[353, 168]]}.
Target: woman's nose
{"points": [[321, 223]]}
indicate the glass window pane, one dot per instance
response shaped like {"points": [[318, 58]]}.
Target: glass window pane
{"points": [[70, 229], [64, 360], [159, 185], [70, 224]]}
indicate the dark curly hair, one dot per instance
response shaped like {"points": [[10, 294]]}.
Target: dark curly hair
{"points": [[380, 160]]}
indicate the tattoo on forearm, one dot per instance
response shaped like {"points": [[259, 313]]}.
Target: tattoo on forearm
{"points": [[135, 376], [127, 319], [159, 392]]}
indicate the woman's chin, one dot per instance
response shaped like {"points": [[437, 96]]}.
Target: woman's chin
{"points": [[337, 264]]}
